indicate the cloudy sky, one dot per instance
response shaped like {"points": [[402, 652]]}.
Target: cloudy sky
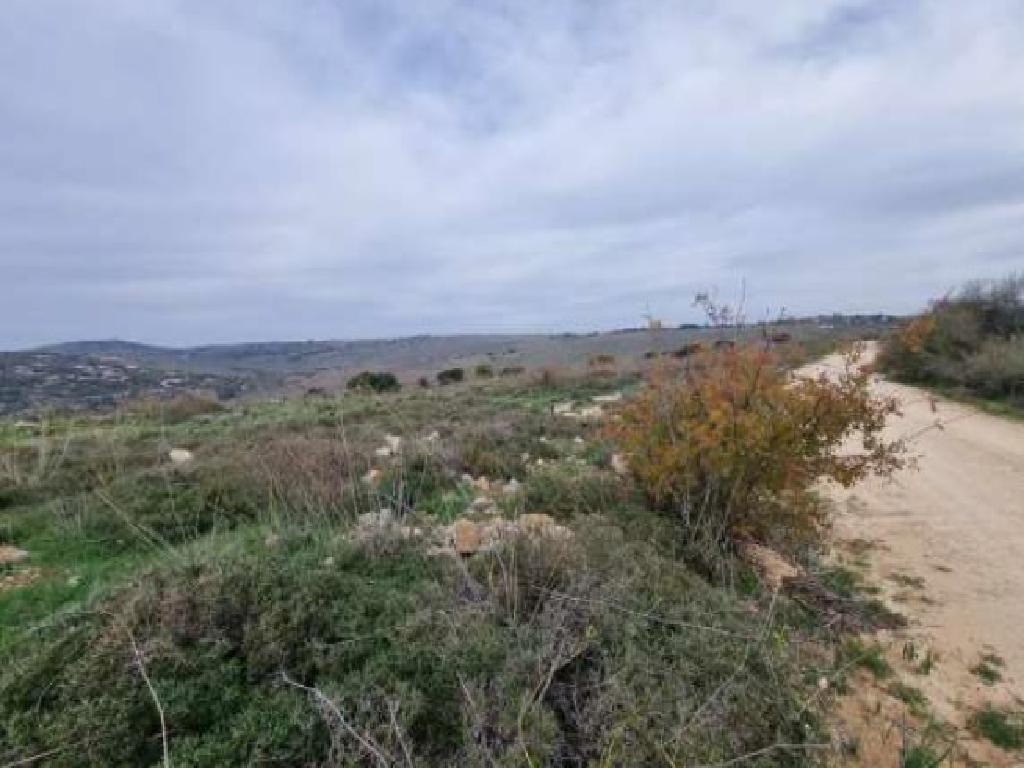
{"points": [[189, 171]]}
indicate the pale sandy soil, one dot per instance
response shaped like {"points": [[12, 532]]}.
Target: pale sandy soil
{"points": [[948, 552]]}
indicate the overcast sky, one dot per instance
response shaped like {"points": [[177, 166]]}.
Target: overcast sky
{"points": [[190, 171]]}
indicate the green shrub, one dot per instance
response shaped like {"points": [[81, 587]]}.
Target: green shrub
{"points": [[538, 652], [451, 376], [973, 341], [1002, 727], [484, 371], [374, 381]]}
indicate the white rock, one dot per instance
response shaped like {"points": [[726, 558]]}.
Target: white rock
{"points": [[512, 487], [619, 464], [434, 436], [481, 504], [180, 457], [380, 519], [394, 442], [383, 452], [592, 412], [560, 409], [578, 440], [11, 555], [372, 476], [612, 398]]}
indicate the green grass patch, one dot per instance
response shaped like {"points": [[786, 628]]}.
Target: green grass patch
{"points": [[867, 656], [1002, 727]]}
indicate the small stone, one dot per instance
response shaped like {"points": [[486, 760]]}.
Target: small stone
{"points": [[180, 457], [328, 562], [434, 436], [612, 398], [512, 487], [272, 540], [372, 476], [563, 408], [592, 412], [482, 504], [619, 464], [11, 555], [394, 442], [578, 440], [822, 683], [383, 452]]}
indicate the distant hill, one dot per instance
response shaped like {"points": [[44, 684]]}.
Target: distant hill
{"points": [[100, 373]]}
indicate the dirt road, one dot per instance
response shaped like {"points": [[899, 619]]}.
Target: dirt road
{"points": [[948, 544]]}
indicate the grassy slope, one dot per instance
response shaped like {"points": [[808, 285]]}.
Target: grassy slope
{"points": [[240, 574]]}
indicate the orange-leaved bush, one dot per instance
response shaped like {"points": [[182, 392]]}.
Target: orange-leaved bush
{"points": [[733, 443]]}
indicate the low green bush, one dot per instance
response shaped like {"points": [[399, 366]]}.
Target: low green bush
{"points": [[374, 381], [451, 376], [314, 651]]}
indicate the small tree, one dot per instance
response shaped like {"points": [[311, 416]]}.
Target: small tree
{"points": [[374, 381], [484, 371], [451, 376]]}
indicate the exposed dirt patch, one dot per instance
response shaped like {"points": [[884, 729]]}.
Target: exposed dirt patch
{"points": [[950, 538], [19, 578]]}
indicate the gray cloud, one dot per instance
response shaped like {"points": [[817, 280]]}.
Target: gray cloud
{"points": [[185, 171]]}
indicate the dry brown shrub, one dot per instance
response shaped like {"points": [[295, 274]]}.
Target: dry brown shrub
{"points": [[733, 444], [173, 410]]}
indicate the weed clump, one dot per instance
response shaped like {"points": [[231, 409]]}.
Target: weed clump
{"points": [[1002, 727]]}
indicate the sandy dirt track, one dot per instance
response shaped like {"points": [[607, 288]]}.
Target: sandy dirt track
{"points": [[948, 541]]}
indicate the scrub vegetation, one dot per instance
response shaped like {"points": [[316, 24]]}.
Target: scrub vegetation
{"points": [[274, 582], [970, 343]]}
